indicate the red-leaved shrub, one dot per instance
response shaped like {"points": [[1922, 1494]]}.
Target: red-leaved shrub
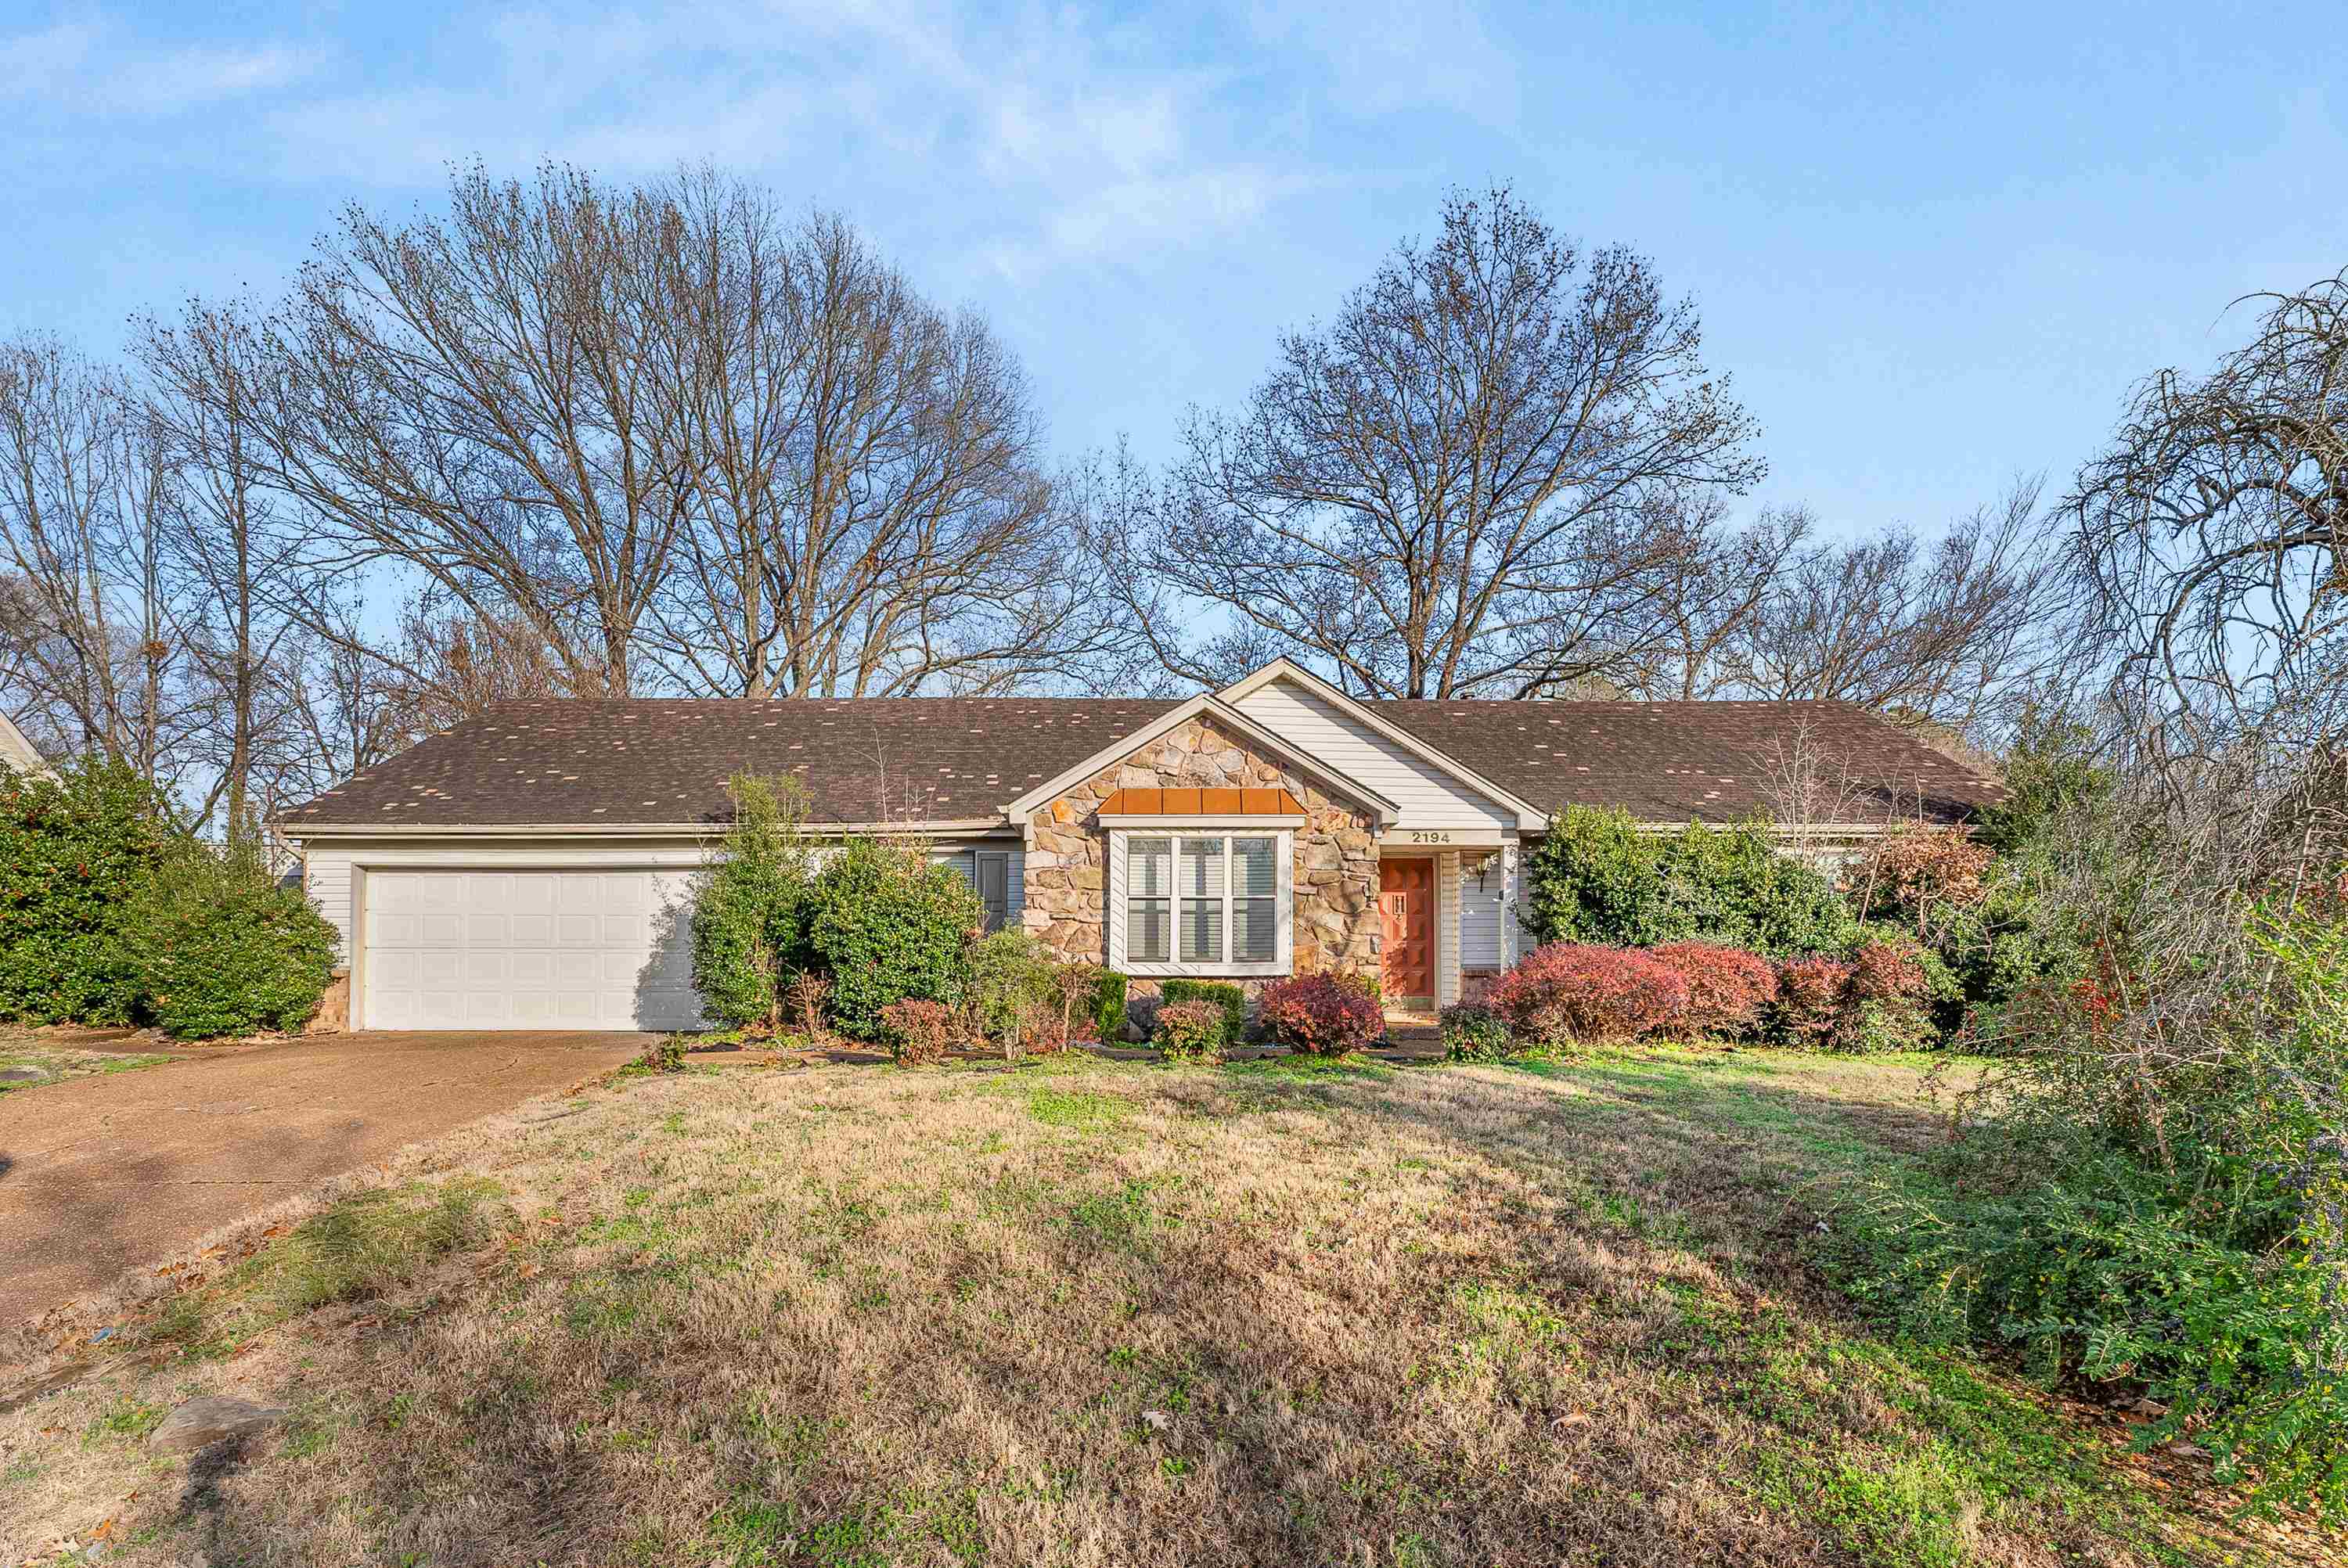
{"points": [[1567, 990], [1188, 1032], [1810, 998], [1887, 971], [1321, 1014], [917, 1030], [1726, 987]]}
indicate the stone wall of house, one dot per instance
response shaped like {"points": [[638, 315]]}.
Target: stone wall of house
{"points": [[1336, 857]]}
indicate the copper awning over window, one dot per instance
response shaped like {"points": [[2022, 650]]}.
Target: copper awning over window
{"points": [[1202, 803]]}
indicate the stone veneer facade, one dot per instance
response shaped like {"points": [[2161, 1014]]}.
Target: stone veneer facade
{"points": [[1335, 874]]}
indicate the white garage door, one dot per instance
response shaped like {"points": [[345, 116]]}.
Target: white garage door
{"points": [[528, 949]]}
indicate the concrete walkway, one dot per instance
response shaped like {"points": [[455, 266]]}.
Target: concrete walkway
{"points": [[102, 1174]]}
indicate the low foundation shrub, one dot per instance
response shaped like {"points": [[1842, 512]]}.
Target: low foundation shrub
{"points": [[917, 1031], [1108, 1006], [1321, 1015], [1727, 988], [1474, 1032], [1189, 1032], [1221, 994], [1569, 993], [1013, 996]]}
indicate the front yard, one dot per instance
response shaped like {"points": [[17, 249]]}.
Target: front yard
{"points": [[1096, 1313]]}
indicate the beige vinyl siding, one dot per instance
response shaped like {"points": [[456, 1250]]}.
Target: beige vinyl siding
{"points": [[1479, 912], [1426, 796], [327, 880], [1447, 929]]}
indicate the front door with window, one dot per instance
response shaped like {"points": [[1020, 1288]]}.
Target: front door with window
{"points": [[1407, 952]]}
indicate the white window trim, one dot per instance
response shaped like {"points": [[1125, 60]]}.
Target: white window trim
{"points": [[1283, 922]]}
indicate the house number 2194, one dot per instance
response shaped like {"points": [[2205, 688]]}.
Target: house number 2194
{"points": [[1430, 838]]}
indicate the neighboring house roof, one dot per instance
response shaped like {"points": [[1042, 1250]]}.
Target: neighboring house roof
{"points": [[1713, 761], [17, 751], [632, 763], [643, 764]]}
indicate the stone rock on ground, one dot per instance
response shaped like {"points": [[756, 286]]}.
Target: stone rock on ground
{"points": [[22, 1075], [209, 1419]]}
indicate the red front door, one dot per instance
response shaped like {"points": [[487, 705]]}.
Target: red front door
{"points": [[1406, 903]]}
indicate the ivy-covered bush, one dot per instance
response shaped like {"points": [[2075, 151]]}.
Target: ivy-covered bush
{"points": [[887, 927], [1474, 1032], [750, 920], [1221, 994], [1727, 988], [1189, 1032], [223, 949], [2177, 1225], [76, 850], [1321, 1015], [1596, 880], [1568, 991]]}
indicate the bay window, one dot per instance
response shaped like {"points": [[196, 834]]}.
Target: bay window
{"points": [[1212, 901]]}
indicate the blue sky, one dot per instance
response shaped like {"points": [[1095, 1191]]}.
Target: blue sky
{"points": [[1930, 253]]}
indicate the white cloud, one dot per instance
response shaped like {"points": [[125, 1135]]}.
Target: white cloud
{"points": [[97, 65]]}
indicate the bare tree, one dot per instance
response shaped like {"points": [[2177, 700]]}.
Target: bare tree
{"points": [[480, 398], [2211, 535], [1450, 489], [1706, 594], [867, 512], [232, 554], [1948, 630], [88, 491]]}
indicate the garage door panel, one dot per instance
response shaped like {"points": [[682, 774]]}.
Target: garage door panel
{"points": [[525, 950]]}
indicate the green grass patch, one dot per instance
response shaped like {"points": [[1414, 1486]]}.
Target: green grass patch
{"points": [[361, 1247]]}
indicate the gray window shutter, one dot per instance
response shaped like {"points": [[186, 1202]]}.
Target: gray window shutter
{"points": [[994, 889]]}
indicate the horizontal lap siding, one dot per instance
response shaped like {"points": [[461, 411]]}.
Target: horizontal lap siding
{"points": [[326, 879], [1479, 913], [1426, 796]]}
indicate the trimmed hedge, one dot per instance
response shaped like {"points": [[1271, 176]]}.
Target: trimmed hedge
{"points": [[1727, 988], [1569, 991]]}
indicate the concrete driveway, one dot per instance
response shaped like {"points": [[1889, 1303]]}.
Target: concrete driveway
{"points": [[102, 1174]]}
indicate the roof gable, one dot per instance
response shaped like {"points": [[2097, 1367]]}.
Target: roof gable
{"points": [[1433, 788]]}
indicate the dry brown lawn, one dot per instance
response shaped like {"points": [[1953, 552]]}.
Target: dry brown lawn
{"points": [[1084, 1313]]}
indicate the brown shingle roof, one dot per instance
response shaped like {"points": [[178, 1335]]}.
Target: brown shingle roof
{"points": [[648, 761], [632, 762], [1673, 761]]}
